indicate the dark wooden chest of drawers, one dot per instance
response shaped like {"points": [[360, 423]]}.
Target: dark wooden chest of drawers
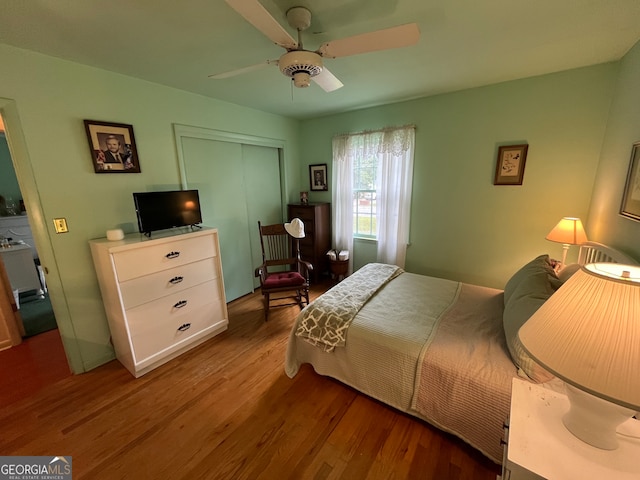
{"points": [[317, 227]]}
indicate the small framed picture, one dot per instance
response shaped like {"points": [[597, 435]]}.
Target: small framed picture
{"points": [[630, 207], [112, 146], [318, 177], [510, 164]]}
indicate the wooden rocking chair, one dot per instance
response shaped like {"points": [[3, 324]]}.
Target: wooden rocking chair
{"points": [[284, 277]]}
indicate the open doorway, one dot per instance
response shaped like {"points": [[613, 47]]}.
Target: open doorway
{"points": [[40, 357]]}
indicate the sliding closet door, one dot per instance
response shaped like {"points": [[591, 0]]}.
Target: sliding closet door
{"points": [[263, 193], [215, 169], [238, 185]]}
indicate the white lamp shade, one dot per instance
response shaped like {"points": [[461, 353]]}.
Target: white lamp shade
{"points": [[569, 231], [588, 332]]}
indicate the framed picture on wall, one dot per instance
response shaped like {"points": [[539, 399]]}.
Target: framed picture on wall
{"points": [[113, 147], [318, 177], [510, 164], [631, 198]]}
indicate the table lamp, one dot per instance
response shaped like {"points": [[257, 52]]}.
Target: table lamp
{"points": [[569, 231], [588, 334]]}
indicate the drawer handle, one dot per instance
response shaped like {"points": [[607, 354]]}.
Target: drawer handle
{"points": [[180, 304], [172, 255], [184, 326], [176, 280]]}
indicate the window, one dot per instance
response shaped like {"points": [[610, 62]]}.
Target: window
{"points": [[373, 176], [365, 171]]}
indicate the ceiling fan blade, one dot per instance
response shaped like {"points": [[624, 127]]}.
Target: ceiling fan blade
{"points": [[240, 71], [258, 16], [394, 37], [327, 81]]}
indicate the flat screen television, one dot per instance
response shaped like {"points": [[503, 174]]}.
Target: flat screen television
{"points": [[170, 209]]}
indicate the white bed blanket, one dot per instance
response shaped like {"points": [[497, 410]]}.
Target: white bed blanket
{"points": [[393, 336], [384, 340]]}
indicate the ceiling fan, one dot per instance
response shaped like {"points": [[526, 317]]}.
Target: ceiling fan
{"points": [[305, 65]]}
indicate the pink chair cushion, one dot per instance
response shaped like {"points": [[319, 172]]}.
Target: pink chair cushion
{"points": [[283, 279]]}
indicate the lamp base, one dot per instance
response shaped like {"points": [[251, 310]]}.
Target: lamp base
{"points": [[594, 420], [565, 250]]}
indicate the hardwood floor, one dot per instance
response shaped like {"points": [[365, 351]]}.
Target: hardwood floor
{"points": [[35, 364], [226, 410]]}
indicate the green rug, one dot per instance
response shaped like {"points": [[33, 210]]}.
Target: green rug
{"points": [[37, 315]]}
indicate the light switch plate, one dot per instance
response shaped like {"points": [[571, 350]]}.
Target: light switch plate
{"points": [[60, 225]]}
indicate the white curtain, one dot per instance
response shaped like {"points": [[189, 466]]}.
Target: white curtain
{"points": [[394, 149], [342, 198]]}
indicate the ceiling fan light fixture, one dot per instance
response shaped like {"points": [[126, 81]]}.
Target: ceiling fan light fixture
{"points": [[300, 65], [301, 79]]}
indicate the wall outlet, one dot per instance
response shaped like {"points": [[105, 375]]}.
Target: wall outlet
{"points": [[61, 225]]}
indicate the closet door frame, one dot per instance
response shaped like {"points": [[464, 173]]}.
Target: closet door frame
{"points": [[187, 131]]}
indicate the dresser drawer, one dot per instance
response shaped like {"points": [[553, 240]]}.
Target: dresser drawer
{"points": [[137, 262], [309, 228], [166, 282], [170, 332], [174, 305], [304, 214]]}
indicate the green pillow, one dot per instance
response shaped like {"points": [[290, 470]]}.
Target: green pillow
{"points": [[524, 293], [539, 265]]}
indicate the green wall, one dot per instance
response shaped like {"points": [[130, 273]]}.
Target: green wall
{"points": [[463, 227], [44, 101], [623, 130]]}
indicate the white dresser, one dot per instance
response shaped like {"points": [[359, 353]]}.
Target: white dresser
{"points": [[163, 296]]}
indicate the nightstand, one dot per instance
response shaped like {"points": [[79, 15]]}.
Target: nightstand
{"points": [[339, 269], [539, 446]]}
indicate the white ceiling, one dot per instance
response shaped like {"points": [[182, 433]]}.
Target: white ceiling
{"points": [[463, 44]]}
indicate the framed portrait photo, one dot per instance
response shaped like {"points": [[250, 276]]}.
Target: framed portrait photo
{"points": [[510, 164], [630, 207], [318, 177], [112, 146]]}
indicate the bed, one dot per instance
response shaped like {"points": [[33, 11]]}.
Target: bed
{"points": [[440, 350]]}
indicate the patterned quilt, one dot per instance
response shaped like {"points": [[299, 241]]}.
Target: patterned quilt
{"points": [[325, 322]]}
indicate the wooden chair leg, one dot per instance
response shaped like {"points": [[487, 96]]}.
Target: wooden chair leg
{"points": [[299, 298], [266, 307]]}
